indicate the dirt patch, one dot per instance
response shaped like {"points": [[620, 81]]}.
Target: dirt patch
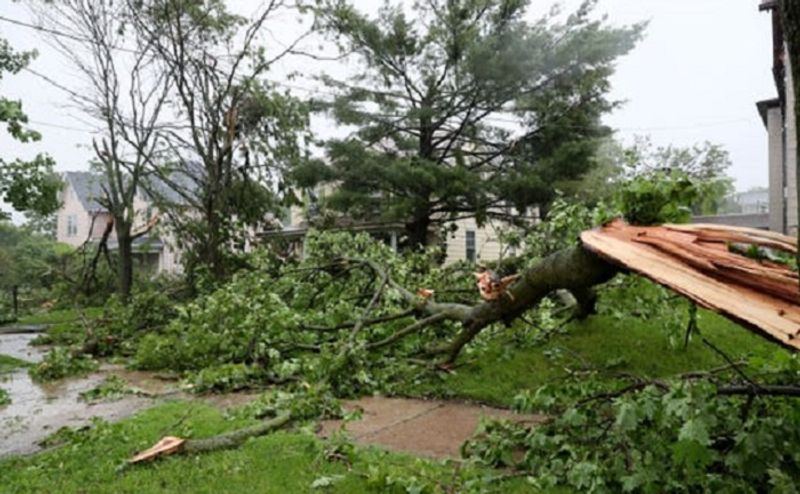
{"points": [[429, 428]]}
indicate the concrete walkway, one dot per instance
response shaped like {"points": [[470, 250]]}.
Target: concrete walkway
{"points": [[431, 428]]}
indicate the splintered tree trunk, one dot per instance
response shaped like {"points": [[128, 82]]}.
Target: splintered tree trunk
{"points": [[790, 18], [575, 269]]}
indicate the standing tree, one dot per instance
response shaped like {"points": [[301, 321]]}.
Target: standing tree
{"points": [[27, 262], [124, 95], [464, 108], [706, 164], [236, 133], [29, 186]]}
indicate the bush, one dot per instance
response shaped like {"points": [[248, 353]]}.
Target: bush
{"points": [[660, 197], [4, 398]]}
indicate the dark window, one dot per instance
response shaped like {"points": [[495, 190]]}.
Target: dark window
{"points": [[471, 250]]}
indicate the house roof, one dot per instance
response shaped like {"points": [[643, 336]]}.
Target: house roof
{"points": [[179, 178], [765, 105], [768, 5], [88, 187]]}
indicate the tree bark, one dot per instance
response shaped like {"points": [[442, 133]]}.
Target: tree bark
{"points": [[418, 230], [15, 301], [125, 264], [234, 438], [575, 269]]}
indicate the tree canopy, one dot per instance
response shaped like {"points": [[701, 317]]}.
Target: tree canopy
{"points": [[28, 185], [463, 108], [237, 132]]}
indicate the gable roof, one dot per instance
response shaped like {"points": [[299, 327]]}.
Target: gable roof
{"points": [[88, 187]]}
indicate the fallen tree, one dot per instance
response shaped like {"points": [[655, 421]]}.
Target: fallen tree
{"points": [[717, 267], [724, 269]]}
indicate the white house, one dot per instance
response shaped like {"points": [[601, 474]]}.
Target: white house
{"points": [[466, 241], [779, 120], [81, 219]]}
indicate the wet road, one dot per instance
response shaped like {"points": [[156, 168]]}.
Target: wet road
{"points": [[38, 410]]}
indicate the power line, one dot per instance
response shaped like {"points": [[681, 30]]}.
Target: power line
{"points": [[61, 34], [58, 126]]}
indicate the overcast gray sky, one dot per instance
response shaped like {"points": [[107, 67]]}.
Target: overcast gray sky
{"points": [[696, 76]]}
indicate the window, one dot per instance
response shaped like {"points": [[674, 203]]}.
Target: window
{"points": [[471, 250], [72, 225]]}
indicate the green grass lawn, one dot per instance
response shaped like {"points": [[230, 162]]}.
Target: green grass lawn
{"points": [[60, 316], [602, 344], [283, 462], [9, 364], [602, 347], [65, 325]]}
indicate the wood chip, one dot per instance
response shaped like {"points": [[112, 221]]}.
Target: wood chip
{"points": [[166, 446]]}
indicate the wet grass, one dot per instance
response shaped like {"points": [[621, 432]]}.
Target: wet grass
{"points": [[601, 345], [10, 364], [283, 462], [66, 327], [60, 316]]}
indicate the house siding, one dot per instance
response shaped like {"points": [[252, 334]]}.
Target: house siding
{"points": [[791, 153], [779, 119], [777, 172], [86, 229], [90, 226], [487, 243]]}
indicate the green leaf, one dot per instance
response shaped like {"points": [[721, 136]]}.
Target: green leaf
{"points": [[695, 430], [326, 481], [627, 418]]}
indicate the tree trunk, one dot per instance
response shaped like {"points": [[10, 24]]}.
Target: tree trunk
{"points": [[790, 18], [235, 438], [417, 231], [575, 269], [213, 247], [125, 264], [15, 301]]}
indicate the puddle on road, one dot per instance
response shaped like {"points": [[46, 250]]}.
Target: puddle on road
{"points": [[37, 410], [17, 346]]}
